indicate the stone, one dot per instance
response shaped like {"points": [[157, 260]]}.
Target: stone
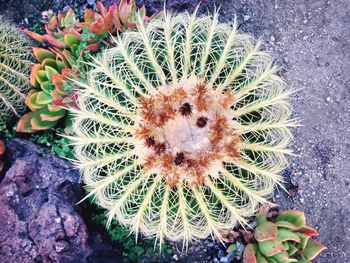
{"points": [[40, 221]]}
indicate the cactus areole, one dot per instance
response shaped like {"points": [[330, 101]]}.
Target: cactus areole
{"points": [[182, 129]]}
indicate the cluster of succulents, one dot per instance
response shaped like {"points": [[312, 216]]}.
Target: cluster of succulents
{"points": [[285, 239], [70, 41], [16, 60], [181, 130]]}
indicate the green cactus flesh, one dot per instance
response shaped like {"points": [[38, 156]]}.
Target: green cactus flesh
{"points": [[182, 129]]}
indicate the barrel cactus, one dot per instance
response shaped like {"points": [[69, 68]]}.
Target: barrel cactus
{"points": [[15, 63], [182, 129]]}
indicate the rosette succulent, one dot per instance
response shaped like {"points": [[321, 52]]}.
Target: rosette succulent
{"points": [[68, 40], [182, 129], [15, 63], [49, 97], [288, 239]]}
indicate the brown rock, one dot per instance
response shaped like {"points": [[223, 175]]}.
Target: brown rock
{"points": [[39, 219]]}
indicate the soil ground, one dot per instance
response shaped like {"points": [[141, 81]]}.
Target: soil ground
{"points": [[310, 40]]}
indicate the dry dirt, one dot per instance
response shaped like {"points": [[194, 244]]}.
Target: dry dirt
{"points": [[311, 43]]}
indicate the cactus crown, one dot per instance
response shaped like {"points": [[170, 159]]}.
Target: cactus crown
{"points": [[15, 64], [182, 128]]}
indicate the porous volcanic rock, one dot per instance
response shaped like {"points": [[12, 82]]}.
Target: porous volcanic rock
{"points": [[39, 219]]}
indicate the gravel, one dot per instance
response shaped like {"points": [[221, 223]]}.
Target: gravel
{"points": [[310, 41]]}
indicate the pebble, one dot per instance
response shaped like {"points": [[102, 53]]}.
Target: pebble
{"points": [[246, 17]]}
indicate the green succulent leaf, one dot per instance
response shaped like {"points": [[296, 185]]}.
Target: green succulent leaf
{"points": [[270, 247], [53, 115], [47, 87], [32, 101], [41, 54], [260, 258], [266, 231], [43, 98], [59, 66], [271, 260], [249, 254], [70, 18], [50, 71], [293, 219], [59, 43], [49, 62], [303, 241], [41, 76], [281, 256], [70, 40], [292, 249], [285, 234], [32, 122], [312, 249]]}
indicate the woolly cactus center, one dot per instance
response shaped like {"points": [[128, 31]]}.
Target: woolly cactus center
{"points": [[185, 130], [183, 135]]}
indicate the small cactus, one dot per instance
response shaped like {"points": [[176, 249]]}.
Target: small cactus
{"points": [[182, 128], [15, 64]]}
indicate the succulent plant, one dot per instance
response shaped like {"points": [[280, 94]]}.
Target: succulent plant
{"points": [[51, 94], [288, 239], [68, 40], [66, 32], [15, 63], [182, 128]]}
